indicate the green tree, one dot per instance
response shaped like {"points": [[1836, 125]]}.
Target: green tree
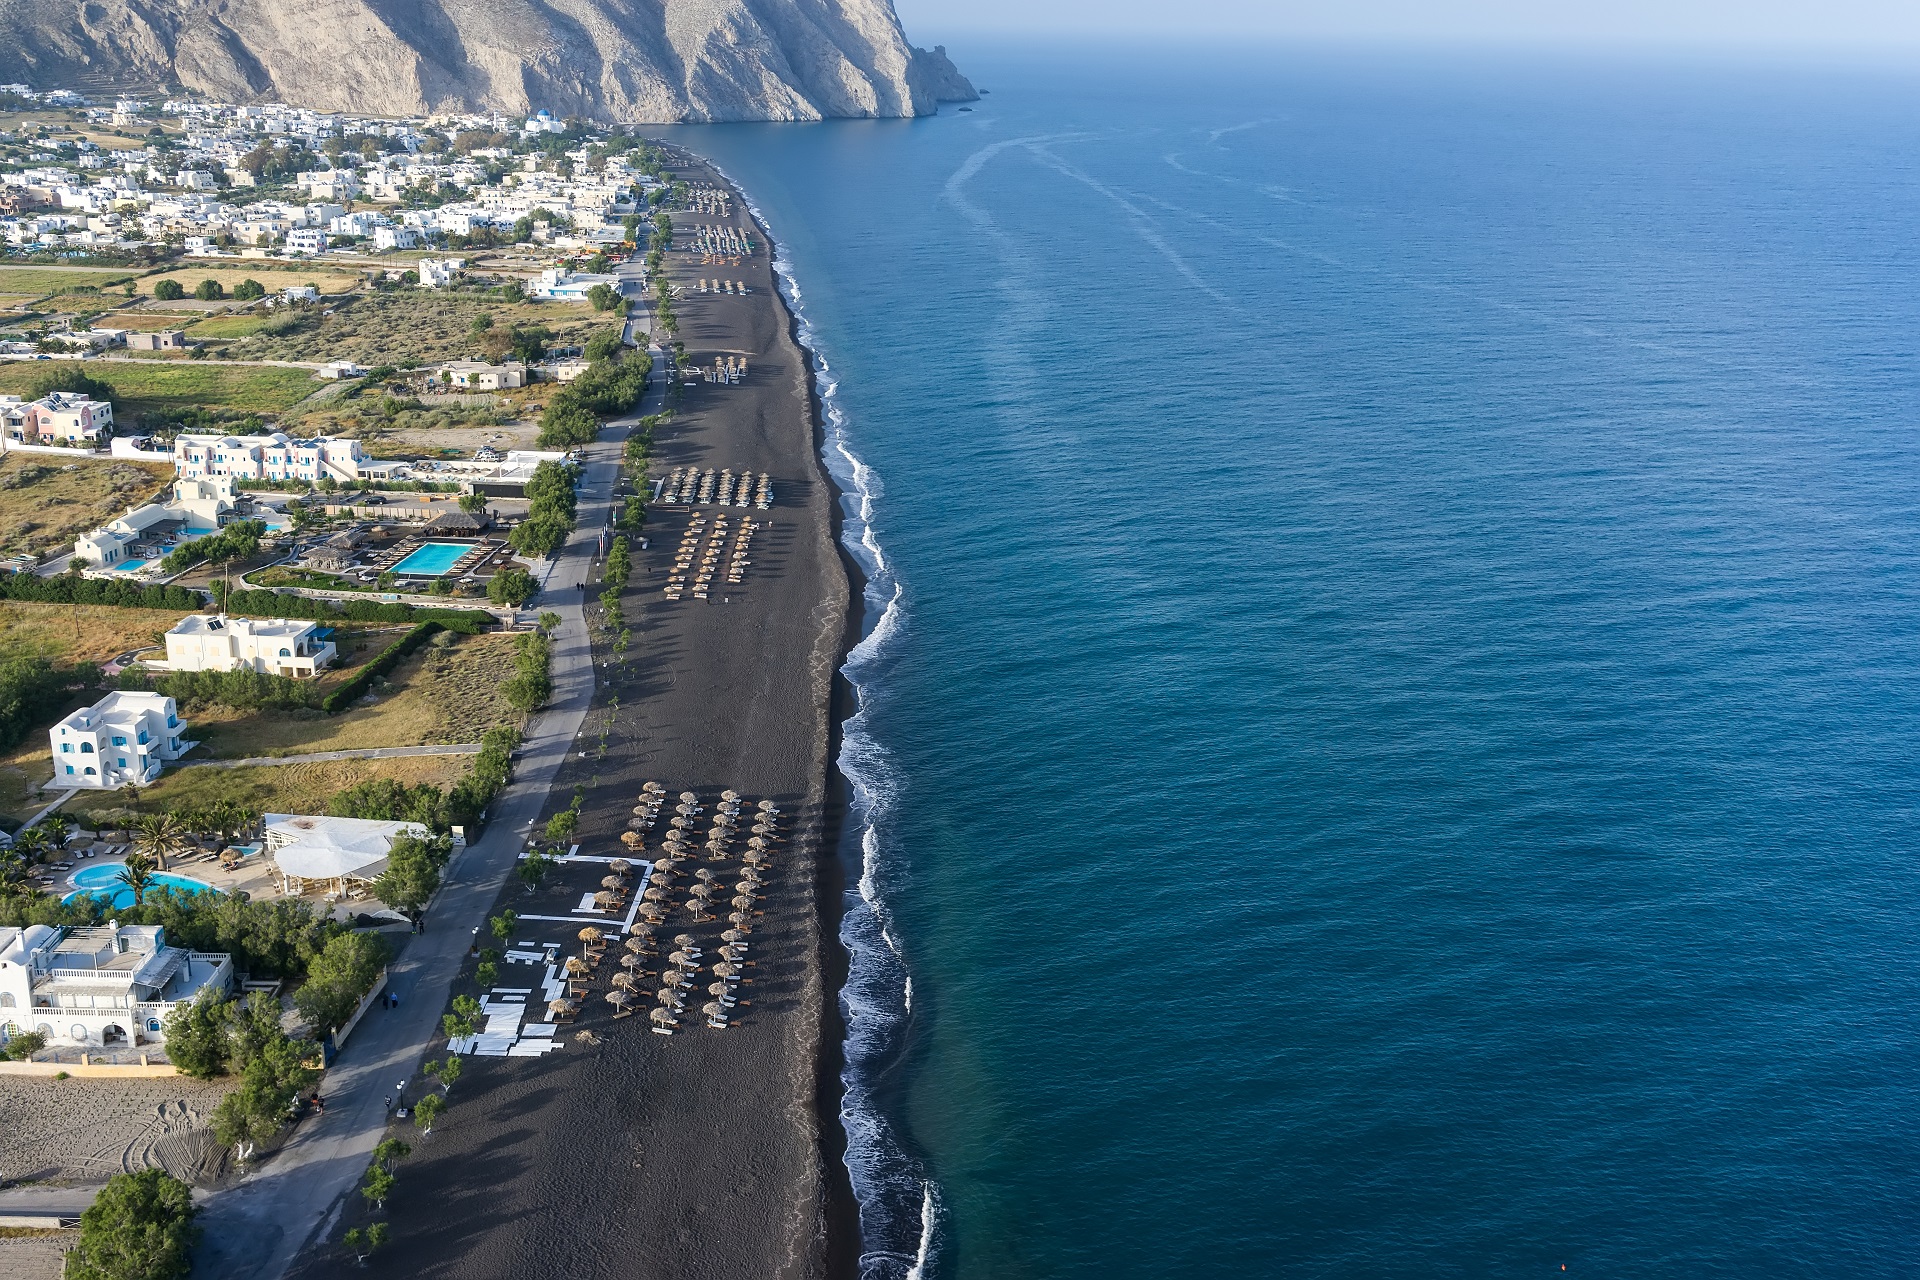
{"points": [[197, 1036], [473, 503], [602, 297], [168, 291], [339, 977], [249, 289], [503, 925], [23, 1046], [465, 1018], [136, 875], [209, 291], [377, 1185], [412, 874], [512, 587], [426, 1109], [604, 345], [140, 1227]]}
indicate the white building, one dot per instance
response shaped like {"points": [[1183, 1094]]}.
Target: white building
{"points": [[100, 987], [195, 510], [438, 273], [125, 738], [306, 240], [394, 238], [477, 375], [558, 285], [270, 457], [276, 646], [331, 854]]}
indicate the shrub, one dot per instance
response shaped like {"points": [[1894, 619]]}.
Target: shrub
{"points": [[140, 1227], [209, 291], [24, 1046], [249, 289], [340, 977], [169, 291]]}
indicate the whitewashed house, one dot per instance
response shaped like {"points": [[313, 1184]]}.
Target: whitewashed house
{"points": [[274, 646], [102, 987], [126, 738]]}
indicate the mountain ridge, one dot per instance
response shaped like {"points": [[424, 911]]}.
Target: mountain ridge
{"points": [[626, 61]]}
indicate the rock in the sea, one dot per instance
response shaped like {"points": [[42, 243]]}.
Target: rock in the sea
{"points": [[640, 61]]}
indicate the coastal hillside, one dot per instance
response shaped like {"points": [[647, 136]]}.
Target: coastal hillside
{"points": [[636, 61]]}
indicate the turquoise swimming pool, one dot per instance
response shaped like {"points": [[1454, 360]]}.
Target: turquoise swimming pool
{"points": [[102, 881], [129, 566], [433, 559]]}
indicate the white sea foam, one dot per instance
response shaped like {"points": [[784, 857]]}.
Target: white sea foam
{"points": [[899, 1205]]}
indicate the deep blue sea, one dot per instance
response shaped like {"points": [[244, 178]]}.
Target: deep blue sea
{"points": [[1392, 746]]}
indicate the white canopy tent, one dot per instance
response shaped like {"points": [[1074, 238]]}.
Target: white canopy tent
{"points": [[324, 853]]}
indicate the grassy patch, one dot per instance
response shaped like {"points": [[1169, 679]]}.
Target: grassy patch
{"points": [[421, 326], [38, 281], [244, 325], [78, 633], [45, 503], [445, 693], [146, 386], [328, 282], [142, 321], [287, 788]]}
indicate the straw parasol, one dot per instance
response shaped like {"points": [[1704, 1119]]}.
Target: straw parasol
{"points": [[663, 1018], [622, 1002], [680, 823], [742, 920], [704, 875], [636, 825], [683, 940], [756, 843], [656, 894], [683, 959], [632, 962], [563, 1008], [749, 885], [613, 882], [766, 806], [719, 990], [604, 901], [626, 981], [687, 797], [732, 935], [715, 1011], [663, 865], [575, 967], [729, 795], [590, 935], [632, 839], [726, 969], [620, 867], [653, 912], [743, 902]]}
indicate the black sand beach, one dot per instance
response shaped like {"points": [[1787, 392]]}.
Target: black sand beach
{"points": [[703, 1153]]}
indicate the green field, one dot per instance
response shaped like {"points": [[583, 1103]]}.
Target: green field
{"points": [[38, 281], [145, 386], [240, 326]]}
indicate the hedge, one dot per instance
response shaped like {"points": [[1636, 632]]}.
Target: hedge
{"points": [[387, 659], [71, 588], [271, 604]]}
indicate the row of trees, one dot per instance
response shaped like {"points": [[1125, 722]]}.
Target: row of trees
{"points": [[32, 689], [612, 385], [242, 689], [389, 800], [72, 588], [619, 568], [551, 511]]}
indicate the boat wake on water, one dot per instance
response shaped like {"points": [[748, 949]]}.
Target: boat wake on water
{"points": [[899, 1204]]}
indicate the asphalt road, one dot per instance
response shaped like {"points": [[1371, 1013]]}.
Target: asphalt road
{"points": [[254, 1228]]}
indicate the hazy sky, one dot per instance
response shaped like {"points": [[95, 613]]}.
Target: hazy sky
{"points": [[1685, 23]]}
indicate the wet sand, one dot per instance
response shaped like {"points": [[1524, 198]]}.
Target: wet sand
{"points": [[704, 1153]]}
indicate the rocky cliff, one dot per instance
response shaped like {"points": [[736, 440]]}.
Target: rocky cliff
{"points": [[638, 61]]}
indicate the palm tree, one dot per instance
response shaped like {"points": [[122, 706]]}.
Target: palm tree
{"points": [[137, 875], [58, 827], [131, 794], [31, 844], [157, 836]]}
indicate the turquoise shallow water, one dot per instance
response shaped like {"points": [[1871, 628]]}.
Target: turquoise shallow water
{"points": [[433, 558], [1393, 753], [102, 880]]}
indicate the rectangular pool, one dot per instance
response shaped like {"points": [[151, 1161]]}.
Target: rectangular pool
{"points": [[433, 559], [129, 566]]}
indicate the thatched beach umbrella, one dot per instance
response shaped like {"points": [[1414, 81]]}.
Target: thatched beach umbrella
{"points": [[729, 794], [720, 990], [575, 967], [626, 981], [559, 1008], [663, 865], [716, 1013], [639, 940], [726, 969], [632, 839], [683, 941], [704, 875], [679, 824], [756, 843], [683, 959], [766, 806], [732, 935], [742, 920], [749, 885], [636, 825], [742, 902], [604, 900], [590, 935], [687, 797], [663, 1019], [653, 913], [632, 962], [656, 894], [613, 882]]}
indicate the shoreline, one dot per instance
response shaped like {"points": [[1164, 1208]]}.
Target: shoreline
{"points": [[703, 1153]]}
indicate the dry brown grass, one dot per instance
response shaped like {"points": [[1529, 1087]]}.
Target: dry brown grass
{"points": [[191, 274], [292, 788], [395, 326], [78, 633], [46, 503], [443, 694]]}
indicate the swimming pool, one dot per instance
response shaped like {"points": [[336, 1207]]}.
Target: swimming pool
{"points": [[129, 566], [433, 559], [102, 882]]}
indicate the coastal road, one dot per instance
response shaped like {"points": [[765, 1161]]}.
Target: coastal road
{"points": [[256, 1228]]}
